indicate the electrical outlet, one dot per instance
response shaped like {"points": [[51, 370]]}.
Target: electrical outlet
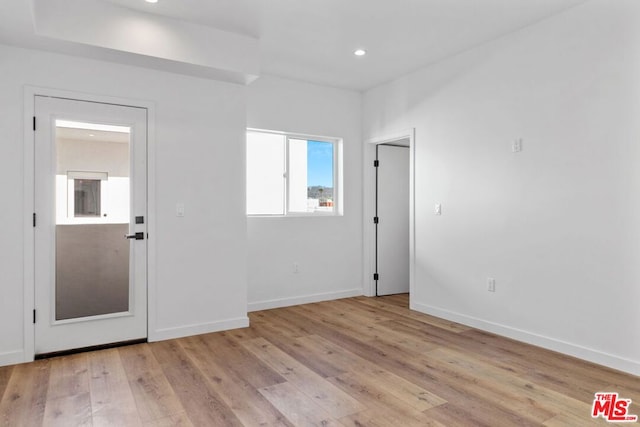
{"points": [[437, 210], [491, 284], [296, 268]]}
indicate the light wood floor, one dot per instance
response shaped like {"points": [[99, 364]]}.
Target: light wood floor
{"points": [[354, 362]]}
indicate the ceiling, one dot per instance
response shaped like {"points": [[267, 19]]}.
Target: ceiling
{"points": [[92, 135], [314, 40]]}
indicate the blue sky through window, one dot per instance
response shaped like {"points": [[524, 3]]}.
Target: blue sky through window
{"points": [[319, 163]]}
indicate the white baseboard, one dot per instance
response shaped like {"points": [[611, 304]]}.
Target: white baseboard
{"points": [[197, 329], [304, 299], [12, 358], [605, 359]]}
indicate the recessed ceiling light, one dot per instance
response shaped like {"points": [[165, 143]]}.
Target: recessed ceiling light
{"points": [[151, 1], [360, 52], [91, 134]]}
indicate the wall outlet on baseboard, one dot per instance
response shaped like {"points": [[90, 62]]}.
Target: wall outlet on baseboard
{"points": [[491, 284]]}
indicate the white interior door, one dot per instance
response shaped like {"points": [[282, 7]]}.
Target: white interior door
{"points": [[393, 220], [90, 224]]}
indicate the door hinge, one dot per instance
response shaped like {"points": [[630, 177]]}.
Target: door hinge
{"points": [[376, 163], [375, 219], [375, 276], [34, 122], [34, 219], [34, 316]]}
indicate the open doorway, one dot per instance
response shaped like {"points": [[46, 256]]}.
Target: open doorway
{"points": [[392, 218], [389, 238]]}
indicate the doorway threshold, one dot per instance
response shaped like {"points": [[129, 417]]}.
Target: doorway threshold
{"points": [[90, 348]]}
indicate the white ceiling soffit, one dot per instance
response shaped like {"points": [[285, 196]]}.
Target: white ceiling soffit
{"points": [[308, 40], [157, 41]]}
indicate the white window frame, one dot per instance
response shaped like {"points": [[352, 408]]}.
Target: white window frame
{"points": [[337, 174], [103, 177]]}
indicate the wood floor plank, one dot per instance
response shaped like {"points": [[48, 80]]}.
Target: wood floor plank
{"points": [[69, 375], [507, 356], [353, 362], [112, 401], [245, 401], [459, 415], [299, 408], [5, 375], [435, 336], [336, 402], [68, 395], [346, 309], [473, 381], [25, 395], [415, 370], [402, 300], [361, 330], [243, 334], [234, 357], [372, 375], [519, 394], [382, 418], [69, 410], [564, 420], [154, 397], [272, 332], [386, 307], [202, 403], [177, 420], [559, 372], [627, 392], [373, 395], [278, 319]]}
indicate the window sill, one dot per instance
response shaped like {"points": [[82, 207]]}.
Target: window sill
{"points": [[298, 215]]}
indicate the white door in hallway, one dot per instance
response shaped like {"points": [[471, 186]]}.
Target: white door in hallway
{"points": [[90, 224], [393, 220]]}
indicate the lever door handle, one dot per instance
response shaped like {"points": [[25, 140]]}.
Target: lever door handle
{"points": [[138, 236]]}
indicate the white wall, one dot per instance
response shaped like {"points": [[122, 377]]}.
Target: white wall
{"points": [[558, 224], [328, 250], [200, 268], [147, 39]]}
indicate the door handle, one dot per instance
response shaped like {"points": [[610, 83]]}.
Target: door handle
{"points": [[138, 236]]}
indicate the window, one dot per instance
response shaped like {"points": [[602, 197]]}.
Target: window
{"points": [[292, 174], [86, 197]]}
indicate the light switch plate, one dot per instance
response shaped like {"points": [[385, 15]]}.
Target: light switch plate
{"points": [[517, 146]]}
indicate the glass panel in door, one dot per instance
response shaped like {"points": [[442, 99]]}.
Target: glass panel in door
{"points": [[92, 198]]}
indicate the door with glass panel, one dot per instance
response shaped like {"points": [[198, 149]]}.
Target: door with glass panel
{"points": [[90, 216]]}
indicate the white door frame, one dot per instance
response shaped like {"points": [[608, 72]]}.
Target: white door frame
{"points": [[30, 92], [369, 207]]}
